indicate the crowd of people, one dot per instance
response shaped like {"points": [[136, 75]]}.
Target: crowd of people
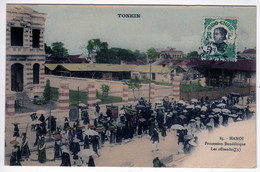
{"points": [[186, 117]]}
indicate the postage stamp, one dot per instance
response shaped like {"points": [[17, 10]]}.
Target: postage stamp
{"points": [[219, 40]]}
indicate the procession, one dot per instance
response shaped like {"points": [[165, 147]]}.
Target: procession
{"points": [[77, 142]]}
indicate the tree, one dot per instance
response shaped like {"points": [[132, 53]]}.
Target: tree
{"points": [[47, 91], [58, 50], [133, 84], [48, 50], [105, 89], [152, 53], [192, 54]]}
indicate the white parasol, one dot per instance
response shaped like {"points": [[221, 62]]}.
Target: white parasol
{"points": [[177, 127], [221, 105], [204, 108], [216, 110], [82, 105], [194, 100], [226, 111], [85, 153], [90, 132]]}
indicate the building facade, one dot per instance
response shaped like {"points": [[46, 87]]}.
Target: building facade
{"points": [[170, 54], [25, 56]]}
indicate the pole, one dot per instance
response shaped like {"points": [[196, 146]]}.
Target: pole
{"points": [[150, 79]]}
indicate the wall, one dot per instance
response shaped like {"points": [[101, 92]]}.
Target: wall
{"points": [[116, 87], [216, 94]]}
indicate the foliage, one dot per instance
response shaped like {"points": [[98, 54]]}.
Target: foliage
{"points": [[58, 50], [192, 54], [152, 53], [105, 89], [109, 99], [47, 91], [54, 94], [39, 101], [191, 87], [76, 97], [47, 49], [133, 83]]}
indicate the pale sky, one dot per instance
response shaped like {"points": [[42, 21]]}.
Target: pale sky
{"points": [[161, 27]]}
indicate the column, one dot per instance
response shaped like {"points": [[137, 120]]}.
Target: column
{"points": [[152, 98], [91, 94], [176, 88], [64, 96], [10, 100], [125, 94]]}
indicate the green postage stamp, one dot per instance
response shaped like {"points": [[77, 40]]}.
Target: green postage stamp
{"points": [[219, 40]]}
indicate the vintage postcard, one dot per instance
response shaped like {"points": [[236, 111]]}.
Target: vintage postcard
{"points": [[130, 86]]}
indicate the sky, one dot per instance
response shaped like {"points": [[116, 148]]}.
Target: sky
{"points": [[179, 27]]}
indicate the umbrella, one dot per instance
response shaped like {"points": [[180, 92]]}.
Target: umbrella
{"points": [[221, 105], [190, 107], [181, 102], [193, 143], [197, 118], [239, 119], [177, 127], [216, 110], [188, 137], [210, 116], [75, 140], [185, 111], [14, 142], [226, 111], [233, 115], [121, 124], [85, 153], [182, 116], [224, 98], [237, 106], [194, 100], [198, 106], [204, 108], [142, 119], [90, 132], [192, 120], [82, 105], [174, 111]]}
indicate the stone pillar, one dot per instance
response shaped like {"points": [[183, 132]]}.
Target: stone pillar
{"points": [[152, 98], [7, 77], [91, 94], [10, 100], [125, 94], [176, 88], [64, 96]]}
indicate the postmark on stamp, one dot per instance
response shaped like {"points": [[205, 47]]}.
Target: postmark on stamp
{"points": [[219, 40]]}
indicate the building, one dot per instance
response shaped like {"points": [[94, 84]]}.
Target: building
{"points": [[247, 54], [25, 56], [110, 71], [170, 54]]}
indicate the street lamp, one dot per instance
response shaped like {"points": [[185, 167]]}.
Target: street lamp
{"points": [[149, 58]]}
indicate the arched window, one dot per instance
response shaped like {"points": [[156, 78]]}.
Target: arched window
{"points": [[36, 72]]}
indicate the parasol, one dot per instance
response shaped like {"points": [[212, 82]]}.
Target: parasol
{"points": [[14, 142], [182, 117], [237, 106], [216, 110], [142, 119], [82, 105], [194, 100], [210, 116], [226, 111], [192, 143], [204, 108], [198, 106], [224, 98], [190, 107], [90, 132], [174, 111], [188, 137], [192, 120], [181, 102], [221, 105], [177, 127], [85, 153]]}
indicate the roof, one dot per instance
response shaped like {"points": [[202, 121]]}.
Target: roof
{"points": [[250, 51], [137, 62], [248, 65], [108, 67], [69, 59]]}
